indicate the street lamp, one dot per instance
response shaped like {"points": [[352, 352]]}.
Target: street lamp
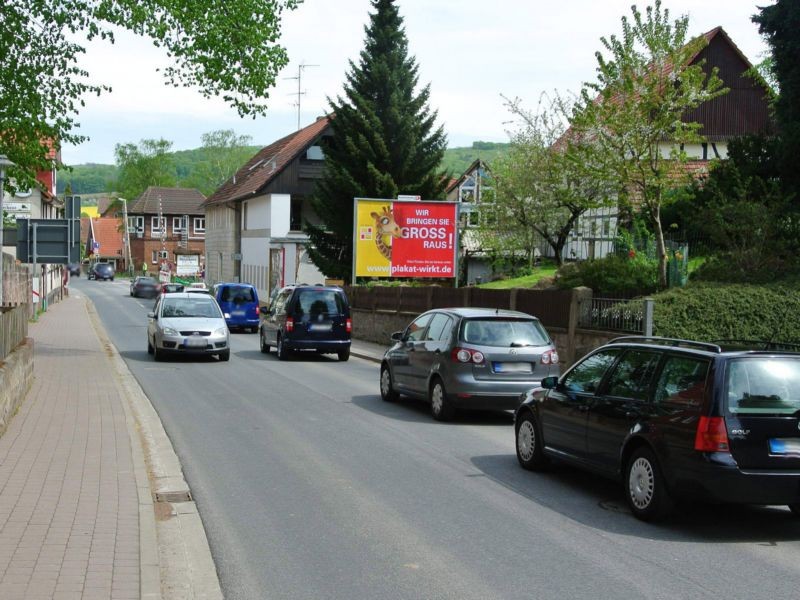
{"points": [[4, 164]]}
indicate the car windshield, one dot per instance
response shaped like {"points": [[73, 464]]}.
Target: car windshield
{"points": [[764, 385], [198, 307], [517, 333]]}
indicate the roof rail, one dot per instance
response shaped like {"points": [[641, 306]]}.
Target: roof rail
{"points": [[676, 342], [744, 344]]}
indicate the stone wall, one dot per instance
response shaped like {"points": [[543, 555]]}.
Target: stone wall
{"points": [[16, 377]]}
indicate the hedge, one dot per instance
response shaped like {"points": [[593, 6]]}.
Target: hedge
{"points": [[708, 312]]}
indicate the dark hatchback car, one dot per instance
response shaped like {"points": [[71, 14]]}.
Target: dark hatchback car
{"points": [[239, 304], [477, 358], [74, 269], [145, 287], [307, 318], [102, 271], [673, 419]]}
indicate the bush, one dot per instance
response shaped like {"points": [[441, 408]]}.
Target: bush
{"points": [[615, 276], [709, 312]]}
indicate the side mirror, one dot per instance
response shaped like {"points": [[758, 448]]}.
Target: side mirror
{"points": [[151, 315], [263, 310], [549, 383], [397, 336]]}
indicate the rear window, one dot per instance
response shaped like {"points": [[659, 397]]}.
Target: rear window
{"points": [[146, 280], [504, 332], [763, 385], [237, 294], [312, 303]]}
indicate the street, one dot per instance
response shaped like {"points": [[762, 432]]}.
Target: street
{"points": [[310, 486]]}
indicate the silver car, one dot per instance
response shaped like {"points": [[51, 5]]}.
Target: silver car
{"points": [[184, 323], [475, 358]]}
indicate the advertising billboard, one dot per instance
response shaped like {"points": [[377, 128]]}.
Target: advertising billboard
{"points": [[405, 238]]}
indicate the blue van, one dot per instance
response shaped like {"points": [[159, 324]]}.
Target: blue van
{"points": [[239, 304]]}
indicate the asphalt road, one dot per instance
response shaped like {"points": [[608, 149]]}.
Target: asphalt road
{"points": [[310, 486]]}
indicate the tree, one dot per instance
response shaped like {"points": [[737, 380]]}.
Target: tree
{"points": [[780, 25], [632, 113], [223, 152], [542, 184], [384, 140], [138, 167], [225, 49]]}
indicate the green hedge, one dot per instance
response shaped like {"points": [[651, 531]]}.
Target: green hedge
{"points": [[708, 311]]}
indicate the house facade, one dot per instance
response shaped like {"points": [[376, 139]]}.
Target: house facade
{"points": [[254, 221], [104, 242], [167, 230]]}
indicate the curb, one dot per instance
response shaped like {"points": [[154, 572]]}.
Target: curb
{"points": [[365, 355], [175, 557]]}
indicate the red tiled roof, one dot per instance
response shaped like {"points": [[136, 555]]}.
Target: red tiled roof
{"points": [[173, 200], [268, 164], [107, 232], [103, 205]]}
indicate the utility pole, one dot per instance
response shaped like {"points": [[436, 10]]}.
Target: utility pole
{"points": [[131, 268], [299, 93]]}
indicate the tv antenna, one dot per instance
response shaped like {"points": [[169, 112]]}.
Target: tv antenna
{"points": [[299, 93]]}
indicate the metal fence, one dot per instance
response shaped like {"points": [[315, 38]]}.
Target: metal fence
{"points": [[634, 316]]}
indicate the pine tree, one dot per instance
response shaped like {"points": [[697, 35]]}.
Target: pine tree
{"points": [[384, 140]]}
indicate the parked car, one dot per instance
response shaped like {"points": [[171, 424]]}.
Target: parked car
{"points": [[239, 304], [307, 318], [673, 419], [473, 358], [145, 287], [101, 270], [171, 288], [74, 269], [187, 324]]}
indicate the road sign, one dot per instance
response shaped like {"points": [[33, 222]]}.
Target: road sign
{"points": [[53, 241]]}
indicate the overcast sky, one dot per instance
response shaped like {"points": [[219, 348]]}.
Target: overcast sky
{"points": [[470, 51]]}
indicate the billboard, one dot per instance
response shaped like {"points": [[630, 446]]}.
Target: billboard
{"points": [[404, 238]]}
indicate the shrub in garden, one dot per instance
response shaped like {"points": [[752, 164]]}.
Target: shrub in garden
{"points": [[612, 276]]}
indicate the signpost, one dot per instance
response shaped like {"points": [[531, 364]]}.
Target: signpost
{"points": [[51, 241]]}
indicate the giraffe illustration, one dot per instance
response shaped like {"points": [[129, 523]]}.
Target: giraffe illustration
{"points": [[385, 225]]}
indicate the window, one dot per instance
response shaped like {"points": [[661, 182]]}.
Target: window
{"points": [[633, 375], [199, 225], [279, 304], [295, 214], [158, 225], [682, 381], [764, 386], [587, 375], [154, 257], [311, 304], [178, 225], [417, 328], [136, 224], [505, 332], [440, 328]]}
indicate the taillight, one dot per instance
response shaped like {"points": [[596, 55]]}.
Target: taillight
{"points": [[550, 358], [466, 355], [712, 436], [258, 313], [348, 325], [289, 324]]}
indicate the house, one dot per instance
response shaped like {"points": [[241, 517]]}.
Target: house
{"points": [[104, 242], [254, 220], [167, 229]]}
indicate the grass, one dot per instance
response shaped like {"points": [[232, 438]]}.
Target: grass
{"points": [[526, 281]]}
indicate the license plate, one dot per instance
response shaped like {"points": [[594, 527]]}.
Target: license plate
{"points": [[319, 327], [195, 342], [238, 313], [784, 446], [515, 367]]}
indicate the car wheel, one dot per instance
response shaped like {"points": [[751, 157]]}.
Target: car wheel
{"points": [[343, 355], [283, 352], [645, 488], [387, 389], [795, 508], [264, 344], [441, 408], [530, 453], [158, 355], [225, 356], [111, 278], [149, 346]]}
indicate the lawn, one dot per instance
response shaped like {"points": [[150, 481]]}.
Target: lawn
{"points": [[527, 281]]}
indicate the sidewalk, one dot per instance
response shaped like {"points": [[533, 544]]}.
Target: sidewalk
{"points": [[367, 350], [80, 466]]}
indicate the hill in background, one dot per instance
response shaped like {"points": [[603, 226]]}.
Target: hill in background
{"points": [[98, 178]]}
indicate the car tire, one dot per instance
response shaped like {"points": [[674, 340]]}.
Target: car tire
{"points": [[263, 343], [388, 393], [441, 408], [344, 355], [149, 346], [530, 447], [281, 349], [645, 488], [225, 356], [158, 356]]}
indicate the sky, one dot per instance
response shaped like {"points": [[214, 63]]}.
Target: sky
{"points": [[471, 52]]}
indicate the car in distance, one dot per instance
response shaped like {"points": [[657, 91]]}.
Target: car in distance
{"points": [[673, 419], [171, 288], [102, 271], [144, 287], [197, 290], [74, 269], [239, 304], [187, 324], [307, 317], [473, 358]]}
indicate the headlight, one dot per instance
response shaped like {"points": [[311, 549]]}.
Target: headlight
{"points": [[221, 331], [170, 331], [227, 315]]}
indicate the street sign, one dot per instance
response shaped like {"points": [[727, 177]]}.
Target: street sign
{"points": [[54, 241]]}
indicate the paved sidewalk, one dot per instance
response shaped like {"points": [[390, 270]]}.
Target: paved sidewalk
{"points": [[367, 350], [69, 504]]}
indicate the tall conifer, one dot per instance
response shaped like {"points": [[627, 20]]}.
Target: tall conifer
{"points": [[385, 141]]}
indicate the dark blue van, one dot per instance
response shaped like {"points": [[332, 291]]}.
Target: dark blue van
{"points": [[239, 304]]}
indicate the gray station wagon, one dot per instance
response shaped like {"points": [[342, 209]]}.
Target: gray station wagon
{"points": [[475, 358]]}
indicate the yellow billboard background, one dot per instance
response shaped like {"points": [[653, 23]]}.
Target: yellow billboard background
{"points": [[369, 260]]}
